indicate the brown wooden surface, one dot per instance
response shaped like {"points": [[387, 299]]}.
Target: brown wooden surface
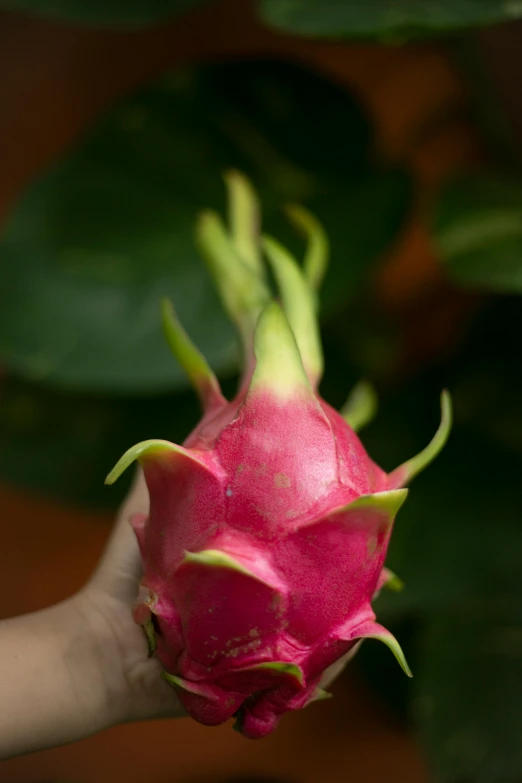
{"points": [[55, 80]]}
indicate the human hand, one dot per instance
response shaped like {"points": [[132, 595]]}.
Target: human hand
{"points": [[135, 690], [81, 666]]}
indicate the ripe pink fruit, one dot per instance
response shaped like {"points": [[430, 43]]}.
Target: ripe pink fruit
{"points": [[268, 529]]}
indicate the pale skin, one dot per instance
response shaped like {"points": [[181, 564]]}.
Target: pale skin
{"points": [[81, 666]]}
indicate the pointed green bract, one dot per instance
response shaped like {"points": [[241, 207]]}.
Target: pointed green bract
{"points": [[388, 502], [215, 558], [279, 367], [319, 695], [190, 358], [150, 633], [316, 257], [361, 406], [408, 470], [186, 685], [239, 720], [212, 559], [298, 305], [393, 582], [244, 219], [149, 450], [242, 289], [279, 667], [382, 635]]}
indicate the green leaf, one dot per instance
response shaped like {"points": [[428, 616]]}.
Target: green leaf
{"points": [[92, 248], [361, 406], [214, 558], [399, 19], [468, 697], [362, 220], [63, 445], [150, 635], [415, 465], [279, 368], [278, 668], [458, 540], [242, 289], [190, 358], [318, 247], [478, 233], [198, 689], [298, 302], [151, 450], [393, 582], [125, 13], [383, 635], [244, 217], [387, 502], [488, 388]]}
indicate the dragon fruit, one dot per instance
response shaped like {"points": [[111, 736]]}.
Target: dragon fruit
{"points": [[268, 529]]}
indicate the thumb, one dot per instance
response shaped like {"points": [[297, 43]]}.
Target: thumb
{"points": [[119, 569]]}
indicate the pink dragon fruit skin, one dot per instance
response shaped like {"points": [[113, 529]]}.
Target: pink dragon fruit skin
{"points": [[267, 533]]}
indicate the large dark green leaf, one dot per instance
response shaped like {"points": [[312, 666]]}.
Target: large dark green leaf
{"points": [[309, 17], [457, 544], [487, 384], [468, 697], [384, 18], [128, 13], [457, 541], [64, 445], [478, 233], [94, 245], [360, 219]]}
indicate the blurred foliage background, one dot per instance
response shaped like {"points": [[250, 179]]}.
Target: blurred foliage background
{"points": [[104, 229]]}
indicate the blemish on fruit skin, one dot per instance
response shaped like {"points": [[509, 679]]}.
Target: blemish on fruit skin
{"points": [[371, 545], [277, 606], [251, 646], [261, 469], [276, 600], [282, 481], [229, 492]]}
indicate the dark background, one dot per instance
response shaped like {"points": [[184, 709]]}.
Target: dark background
{"points": [[408, 147]]}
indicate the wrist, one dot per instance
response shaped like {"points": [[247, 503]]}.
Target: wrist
{"points": [[81, 664], [92, 649], [53, 691]]}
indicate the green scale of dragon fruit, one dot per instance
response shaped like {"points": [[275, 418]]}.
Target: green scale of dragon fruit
{"points": [[268, 529]]}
